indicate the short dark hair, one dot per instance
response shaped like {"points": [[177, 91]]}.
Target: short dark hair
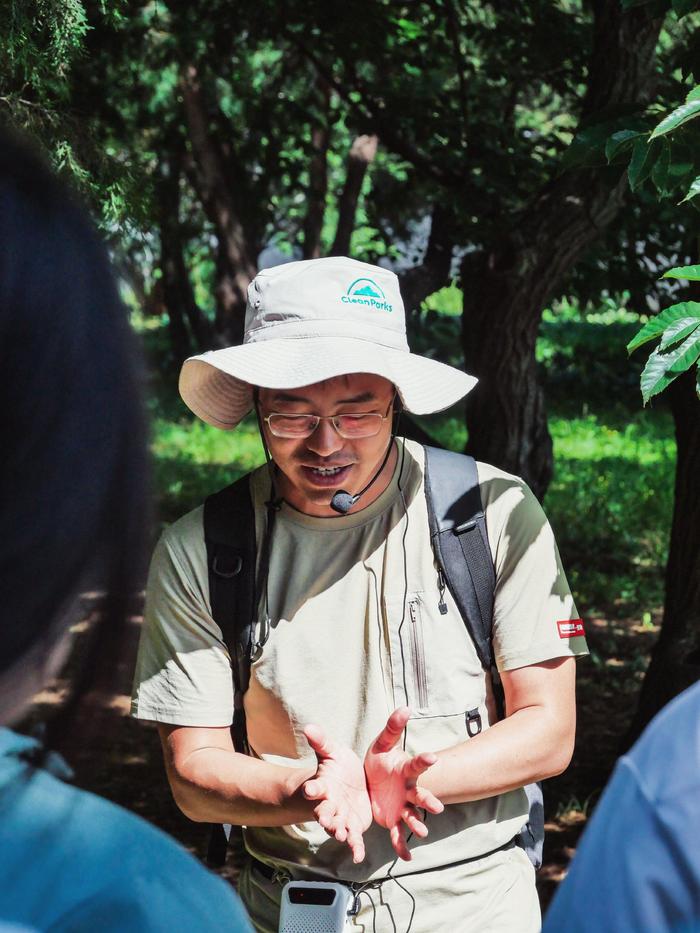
{"points": [[73, 472]]}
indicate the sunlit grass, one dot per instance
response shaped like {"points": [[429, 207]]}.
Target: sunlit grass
{"points": [[198, 442], [647, 437]]}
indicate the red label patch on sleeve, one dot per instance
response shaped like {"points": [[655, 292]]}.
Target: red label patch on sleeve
{"points": [[571, 629]]}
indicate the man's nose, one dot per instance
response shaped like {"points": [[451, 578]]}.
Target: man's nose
{"points": [[325, 440]]}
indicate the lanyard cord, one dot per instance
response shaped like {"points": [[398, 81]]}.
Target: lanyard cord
{"points": [[272, 507]]}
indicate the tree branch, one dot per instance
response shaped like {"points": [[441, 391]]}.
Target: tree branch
{"points": [[454, 30], [188, 324], [235, 265], [372, 113], [360, 157], [318, 176], [434, 272]]}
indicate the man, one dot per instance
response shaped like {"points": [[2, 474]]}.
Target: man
{"points": [[365, 764]]}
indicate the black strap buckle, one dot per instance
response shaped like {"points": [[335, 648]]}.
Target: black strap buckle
{"points": [[472, 720], [221, 570]]}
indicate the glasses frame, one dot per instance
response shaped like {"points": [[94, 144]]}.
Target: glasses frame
{"points": [[332, 419]]}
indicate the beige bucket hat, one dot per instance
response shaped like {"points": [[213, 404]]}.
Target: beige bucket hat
{"points": [[309, 321]]}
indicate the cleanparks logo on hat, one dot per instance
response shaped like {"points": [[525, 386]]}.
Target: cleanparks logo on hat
{"points": [[366, 292]]}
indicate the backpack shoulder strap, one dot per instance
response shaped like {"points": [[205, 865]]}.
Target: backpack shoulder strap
{"points": [[461, 545], [460, 542], [229, 533]]}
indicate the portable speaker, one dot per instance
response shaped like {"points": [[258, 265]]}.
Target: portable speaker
{"points": [[315, 907]]}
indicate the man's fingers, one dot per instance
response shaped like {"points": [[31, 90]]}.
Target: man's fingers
{"points": [[317, 739], [412, 819], [325, 814], [418, 764], [357, 846], [398, 841], [391, 733], [426, 800], [315, 789]]}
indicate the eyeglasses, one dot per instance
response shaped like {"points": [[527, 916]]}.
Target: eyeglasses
{"points": [[351, 425]]}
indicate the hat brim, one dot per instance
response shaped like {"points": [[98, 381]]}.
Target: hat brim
{"points": [[217, 386]]}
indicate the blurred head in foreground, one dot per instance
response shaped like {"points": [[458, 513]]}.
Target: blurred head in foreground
{"points": [[72, 474]]}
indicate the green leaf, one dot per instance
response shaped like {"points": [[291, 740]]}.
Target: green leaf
{"points": [[693, 191], [697, 383], [678, 331], [659, 174], [409, 28], [657, 325], [677, 117], [655, 377], [686, 353], [690, 273], [644, 155], [588, 147], [694, 94], [662, 368], [618, 142]]}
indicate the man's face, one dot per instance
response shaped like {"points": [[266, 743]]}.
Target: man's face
{"points": [[300, 481]]}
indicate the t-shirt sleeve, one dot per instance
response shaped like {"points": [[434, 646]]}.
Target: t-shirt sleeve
{"points": [[183, 671], [535, 618]]}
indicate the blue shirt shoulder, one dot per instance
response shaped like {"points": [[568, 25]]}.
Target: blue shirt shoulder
{"points": [[72, 861], [637, 868]]}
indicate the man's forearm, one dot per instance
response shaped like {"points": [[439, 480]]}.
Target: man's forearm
{"points": [[214, 785], [527, 746]]}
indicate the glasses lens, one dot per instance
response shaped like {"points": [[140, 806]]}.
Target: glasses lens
{"points": [[357, 425], [292, 425]]}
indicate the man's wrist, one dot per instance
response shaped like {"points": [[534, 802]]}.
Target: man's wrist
{"points": [[293, 788]]}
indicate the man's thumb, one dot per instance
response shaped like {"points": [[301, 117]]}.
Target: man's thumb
{"points": [[317, 739]]}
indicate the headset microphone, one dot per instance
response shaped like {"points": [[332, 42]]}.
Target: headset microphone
{"points": [[343, 501]]}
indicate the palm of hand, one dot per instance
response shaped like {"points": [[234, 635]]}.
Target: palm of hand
{"points": [[346, 788], [391, 781], [339, 786], [388, 784]]}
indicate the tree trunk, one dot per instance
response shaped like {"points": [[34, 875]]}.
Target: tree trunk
{"points": [[675, 660], [168, 204], [504, 294], [189, 328], [360, 157], [318, 177], [235, 265], [507, 287], [434, 272]]}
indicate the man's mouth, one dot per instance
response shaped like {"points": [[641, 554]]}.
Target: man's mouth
{"points": [[326, 476]]}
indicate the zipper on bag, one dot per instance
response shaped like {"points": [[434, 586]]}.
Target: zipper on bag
{"points": [[442, 605]]}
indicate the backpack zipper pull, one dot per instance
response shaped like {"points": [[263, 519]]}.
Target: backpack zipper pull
{"points": [[442, 605]]}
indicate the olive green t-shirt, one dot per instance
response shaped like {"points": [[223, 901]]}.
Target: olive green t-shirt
{"points": [[357, 630]]}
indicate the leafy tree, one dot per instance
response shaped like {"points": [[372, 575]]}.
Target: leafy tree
{"points": [[667, 158], [215, 129]]}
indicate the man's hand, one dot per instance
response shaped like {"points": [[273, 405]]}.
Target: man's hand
{"points": [[391, 780], [344, 809]]}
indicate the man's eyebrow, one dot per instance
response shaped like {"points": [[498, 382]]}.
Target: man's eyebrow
{"points": [[286, 397], [355, 400], [358, 399]]}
